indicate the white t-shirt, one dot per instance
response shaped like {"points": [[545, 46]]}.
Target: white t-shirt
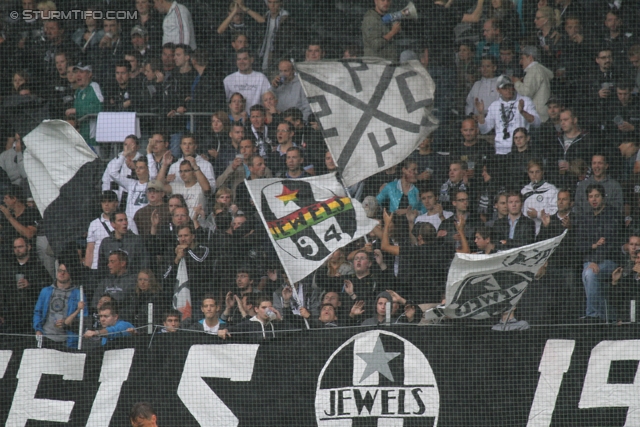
{"points": [[433, 219], [204, 166], [193, 195], [251, 86], [209, 330]]}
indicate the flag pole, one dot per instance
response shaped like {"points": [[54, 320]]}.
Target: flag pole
{"points": [[81, 314]]}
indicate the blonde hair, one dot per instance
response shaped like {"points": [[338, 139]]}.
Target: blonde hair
{"points": [[46, 5], [552, 15]]}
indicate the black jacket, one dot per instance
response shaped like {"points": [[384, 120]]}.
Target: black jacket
{"points": [[524, 234]]}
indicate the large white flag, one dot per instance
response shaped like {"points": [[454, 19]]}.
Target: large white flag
{"points": [[308, 219], [373, 113], [65, 176], [483, 286]]}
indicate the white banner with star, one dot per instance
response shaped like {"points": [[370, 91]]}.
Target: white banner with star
{"points": [[308, 219]]}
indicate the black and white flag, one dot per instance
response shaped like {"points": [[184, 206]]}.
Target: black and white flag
{"points": [[483, 286], [64, 177], [373, 113], [308, 219]]}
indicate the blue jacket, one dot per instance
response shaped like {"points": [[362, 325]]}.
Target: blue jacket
{"points": [[118, 330], [42, 307], [393, 192]]}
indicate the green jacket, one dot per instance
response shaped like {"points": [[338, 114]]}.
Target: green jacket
{"points": [[88, 101]]}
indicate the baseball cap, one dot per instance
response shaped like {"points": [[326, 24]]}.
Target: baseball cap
{"points": [[503, 81], [138, 30], [156, 185], [82, 67]]}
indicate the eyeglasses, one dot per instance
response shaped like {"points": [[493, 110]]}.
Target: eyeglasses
{"points": [[60, 270]]}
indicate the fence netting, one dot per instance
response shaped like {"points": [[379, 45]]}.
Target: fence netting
{"points": [[332, 213]]}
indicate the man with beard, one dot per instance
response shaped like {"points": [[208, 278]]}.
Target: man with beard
{"points": [[505, 115]]}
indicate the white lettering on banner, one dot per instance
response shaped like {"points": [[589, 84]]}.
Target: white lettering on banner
{"points": [[232, 361], [596, 393], [36, 362], [555, 362], [116, 365], [5, 356]]}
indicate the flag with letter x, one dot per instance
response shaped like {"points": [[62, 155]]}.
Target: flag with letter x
{"points": [[373, 113]]}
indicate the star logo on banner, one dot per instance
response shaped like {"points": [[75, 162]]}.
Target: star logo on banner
{"points": [[377, 361], [287, 195]]}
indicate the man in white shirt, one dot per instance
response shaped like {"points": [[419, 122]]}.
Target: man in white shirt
{"points": [[189, 146], [100, 228], [211, 323], [505, 115], [137, 188], [485, 88], [435, 214], [177, 26], [11, 162], [122, 169], [193, 186], [251, 84]]}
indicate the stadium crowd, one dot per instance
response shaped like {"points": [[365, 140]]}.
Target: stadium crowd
{"points": [[539, 126]]}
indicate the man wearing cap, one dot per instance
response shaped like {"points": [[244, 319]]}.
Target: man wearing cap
{"points": [[89, 100], [140, 41], [536, 83], [506, 114], [100, 228], [177, 26]]}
